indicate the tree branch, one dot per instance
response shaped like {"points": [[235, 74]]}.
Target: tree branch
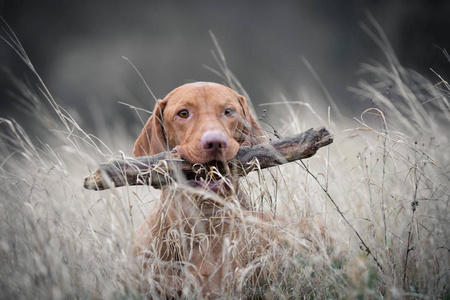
{"points": [[161, 169]]}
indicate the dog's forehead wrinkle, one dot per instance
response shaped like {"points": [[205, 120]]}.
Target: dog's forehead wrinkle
{"points": [[203, 88]]}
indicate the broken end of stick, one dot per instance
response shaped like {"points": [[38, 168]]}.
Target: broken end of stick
{"points": [[96, 182], [325, 137]]}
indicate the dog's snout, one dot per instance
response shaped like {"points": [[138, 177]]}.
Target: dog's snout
{"points": [[214, 141]]}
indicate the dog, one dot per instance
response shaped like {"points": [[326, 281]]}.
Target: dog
{"points": [[195, 225]]}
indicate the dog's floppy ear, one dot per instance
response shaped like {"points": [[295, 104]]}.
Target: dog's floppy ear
{"points": [[252, 132], [152, 138]]}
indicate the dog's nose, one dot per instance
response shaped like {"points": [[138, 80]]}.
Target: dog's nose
{"points": [[214, 141]]}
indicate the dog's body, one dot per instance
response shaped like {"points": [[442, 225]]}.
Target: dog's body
{"points": [[198, 226]]}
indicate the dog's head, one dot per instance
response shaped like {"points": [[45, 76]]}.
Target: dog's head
{"points": [[203, 121]]}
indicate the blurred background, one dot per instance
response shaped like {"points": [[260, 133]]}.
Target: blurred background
{"points": [[77, 47]]}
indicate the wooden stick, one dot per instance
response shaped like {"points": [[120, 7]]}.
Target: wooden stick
{"points": [[163, 168]]}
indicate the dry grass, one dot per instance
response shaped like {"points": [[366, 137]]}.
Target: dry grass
{"points": [[382, 190]]}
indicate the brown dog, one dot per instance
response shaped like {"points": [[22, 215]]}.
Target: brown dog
{"points": [[194, 233]]}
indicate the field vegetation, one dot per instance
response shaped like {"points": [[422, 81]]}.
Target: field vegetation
{"points": [[381, 190]]}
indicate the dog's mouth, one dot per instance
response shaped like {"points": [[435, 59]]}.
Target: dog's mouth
{"points": [[209, 178], [216, 186]]}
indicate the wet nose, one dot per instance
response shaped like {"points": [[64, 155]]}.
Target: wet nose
{"points": [[214, 141]]}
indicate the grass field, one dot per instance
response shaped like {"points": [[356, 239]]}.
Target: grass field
{"points": [[382, 190]]}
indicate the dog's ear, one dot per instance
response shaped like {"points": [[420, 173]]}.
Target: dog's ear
{"points": [[152, 139], [252, 132]]}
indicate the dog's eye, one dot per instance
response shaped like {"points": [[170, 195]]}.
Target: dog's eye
{"points": [[183, 114], [228, 112]]}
